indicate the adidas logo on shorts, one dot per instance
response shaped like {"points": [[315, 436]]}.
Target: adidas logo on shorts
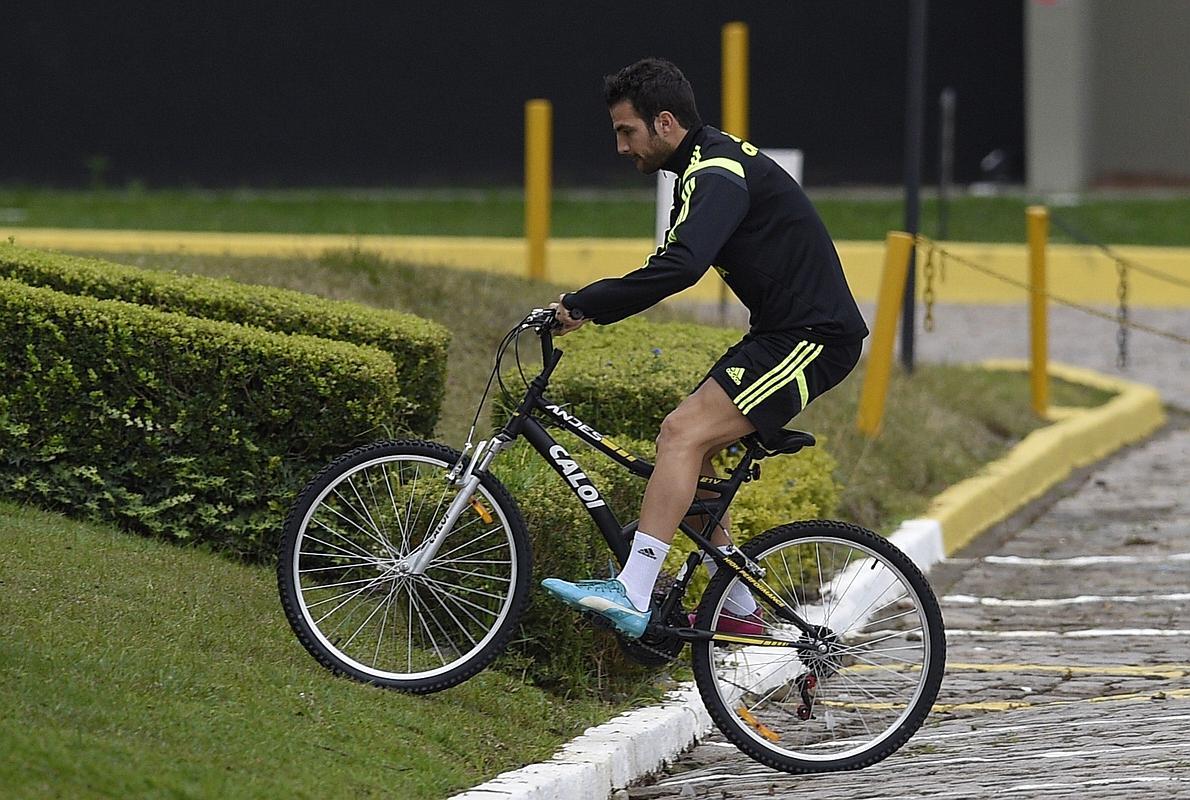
{"points": [[736, 374]]}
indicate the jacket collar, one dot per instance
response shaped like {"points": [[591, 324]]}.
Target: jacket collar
{"points": [[680, 158]]}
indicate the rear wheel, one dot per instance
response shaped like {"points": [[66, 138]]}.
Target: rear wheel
{"points": [[344, 578], [873, 672]]}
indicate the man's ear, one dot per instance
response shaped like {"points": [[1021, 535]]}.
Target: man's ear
{"points": [[665, 122]]}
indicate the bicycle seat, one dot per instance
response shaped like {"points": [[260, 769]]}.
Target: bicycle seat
{"points": [[783, 442]]}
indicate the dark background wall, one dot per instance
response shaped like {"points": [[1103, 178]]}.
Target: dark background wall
{"points": [[286, 92]]}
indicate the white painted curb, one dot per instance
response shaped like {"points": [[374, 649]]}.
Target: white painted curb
{"points": [[612, 755], [606, 757]]}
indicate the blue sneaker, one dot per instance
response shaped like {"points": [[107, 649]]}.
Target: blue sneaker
{"points": [[606, 598]]}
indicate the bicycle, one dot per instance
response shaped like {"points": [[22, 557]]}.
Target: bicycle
{"points": [[406, 564]]}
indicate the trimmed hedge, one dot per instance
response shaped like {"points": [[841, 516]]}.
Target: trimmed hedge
{"points": [[417, 346], [175, 426], [623, 380]]}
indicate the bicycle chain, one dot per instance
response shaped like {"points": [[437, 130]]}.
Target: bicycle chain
{"points": [[659, 653]]}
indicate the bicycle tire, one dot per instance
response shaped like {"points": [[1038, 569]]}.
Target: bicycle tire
{"points": [[764, 699], [342, 550]]}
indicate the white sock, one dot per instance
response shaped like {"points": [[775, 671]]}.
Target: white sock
{"points": [[640, 573], [740, 601]]}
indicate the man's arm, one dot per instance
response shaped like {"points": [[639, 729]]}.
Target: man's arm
{"points": [[716, 200]]}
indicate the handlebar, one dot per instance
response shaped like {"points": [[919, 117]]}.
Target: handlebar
{"points": [[541, 317], [545, 321]]}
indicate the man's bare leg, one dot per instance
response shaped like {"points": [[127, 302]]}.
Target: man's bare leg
{"points": [[699, 427], [719, 536]]}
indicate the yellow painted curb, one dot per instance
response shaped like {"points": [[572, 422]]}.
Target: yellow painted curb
{"points": [[1046, 456], [1080, 274]]}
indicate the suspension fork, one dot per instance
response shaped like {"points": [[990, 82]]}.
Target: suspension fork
{"points": [[467, 480]]}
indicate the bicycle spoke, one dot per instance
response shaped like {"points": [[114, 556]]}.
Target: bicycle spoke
{"points": [[388, 602], [349, 595], [371, 520], [352, 542], [342, 583], [462, 627], [474, 574], [441, 557], [346, 555], [396, 514], [422, 619], [882, 668], [362, 625], [350, 521], [461, 588]]}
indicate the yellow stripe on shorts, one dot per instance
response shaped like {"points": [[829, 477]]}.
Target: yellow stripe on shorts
{"points": [[791, 368]]}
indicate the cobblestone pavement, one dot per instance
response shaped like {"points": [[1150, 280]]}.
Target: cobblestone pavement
{"points": [[1068, 669]]}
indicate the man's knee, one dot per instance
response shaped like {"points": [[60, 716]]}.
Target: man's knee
{"points": [[704, 421], [679, 429]]}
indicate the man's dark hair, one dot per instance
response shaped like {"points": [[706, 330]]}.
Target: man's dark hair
{"points": [[653, 85]]}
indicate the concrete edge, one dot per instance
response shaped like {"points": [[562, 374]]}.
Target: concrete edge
{"points": [[610, 756], [1046, 456]]}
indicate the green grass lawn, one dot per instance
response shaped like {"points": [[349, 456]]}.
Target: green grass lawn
{"points": [[136, 668], [500, 213]]}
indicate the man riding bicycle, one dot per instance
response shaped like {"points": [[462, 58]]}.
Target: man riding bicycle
{"points": [[736, 209]]}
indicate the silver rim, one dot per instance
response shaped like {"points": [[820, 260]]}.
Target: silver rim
{"points": [[863, 689], [351, 590]]}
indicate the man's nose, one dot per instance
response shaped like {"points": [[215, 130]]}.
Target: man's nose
{"points": [[621, 145]]}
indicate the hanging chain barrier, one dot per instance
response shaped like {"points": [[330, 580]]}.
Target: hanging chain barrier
{"points": [[1082, 238], [927, 291], [1120, 318], [1122, 267], [934, 265]]}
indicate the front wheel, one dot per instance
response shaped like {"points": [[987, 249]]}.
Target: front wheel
{"points": [[344, 569], [876, 662]]}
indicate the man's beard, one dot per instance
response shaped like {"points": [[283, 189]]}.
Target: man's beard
{"points": [[648, 164]]}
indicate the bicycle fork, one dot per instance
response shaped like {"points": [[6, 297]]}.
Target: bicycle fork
{"points": [[417, 561]]}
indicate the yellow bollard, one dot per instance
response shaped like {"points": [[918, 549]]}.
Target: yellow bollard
{"points": [[735, 79], [1037, 222], [897, 248], [538, 153], [734, 87]]}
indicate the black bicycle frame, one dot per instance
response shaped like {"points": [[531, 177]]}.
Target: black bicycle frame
{"points": [[616, 536]]}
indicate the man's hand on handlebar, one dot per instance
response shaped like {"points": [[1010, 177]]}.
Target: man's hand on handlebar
{"points": [[566, 323]]}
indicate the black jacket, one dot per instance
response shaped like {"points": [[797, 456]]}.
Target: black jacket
{"points": [[736, 209]]}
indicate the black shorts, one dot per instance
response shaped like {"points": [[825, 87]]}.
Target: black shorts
{"points": [[773, 376]]}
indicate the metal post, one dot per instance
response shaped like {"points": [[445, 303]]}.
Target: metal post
{"points": [[946, 107], [1038, 227], [914, 121], [538, 151], [898, 248]]}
